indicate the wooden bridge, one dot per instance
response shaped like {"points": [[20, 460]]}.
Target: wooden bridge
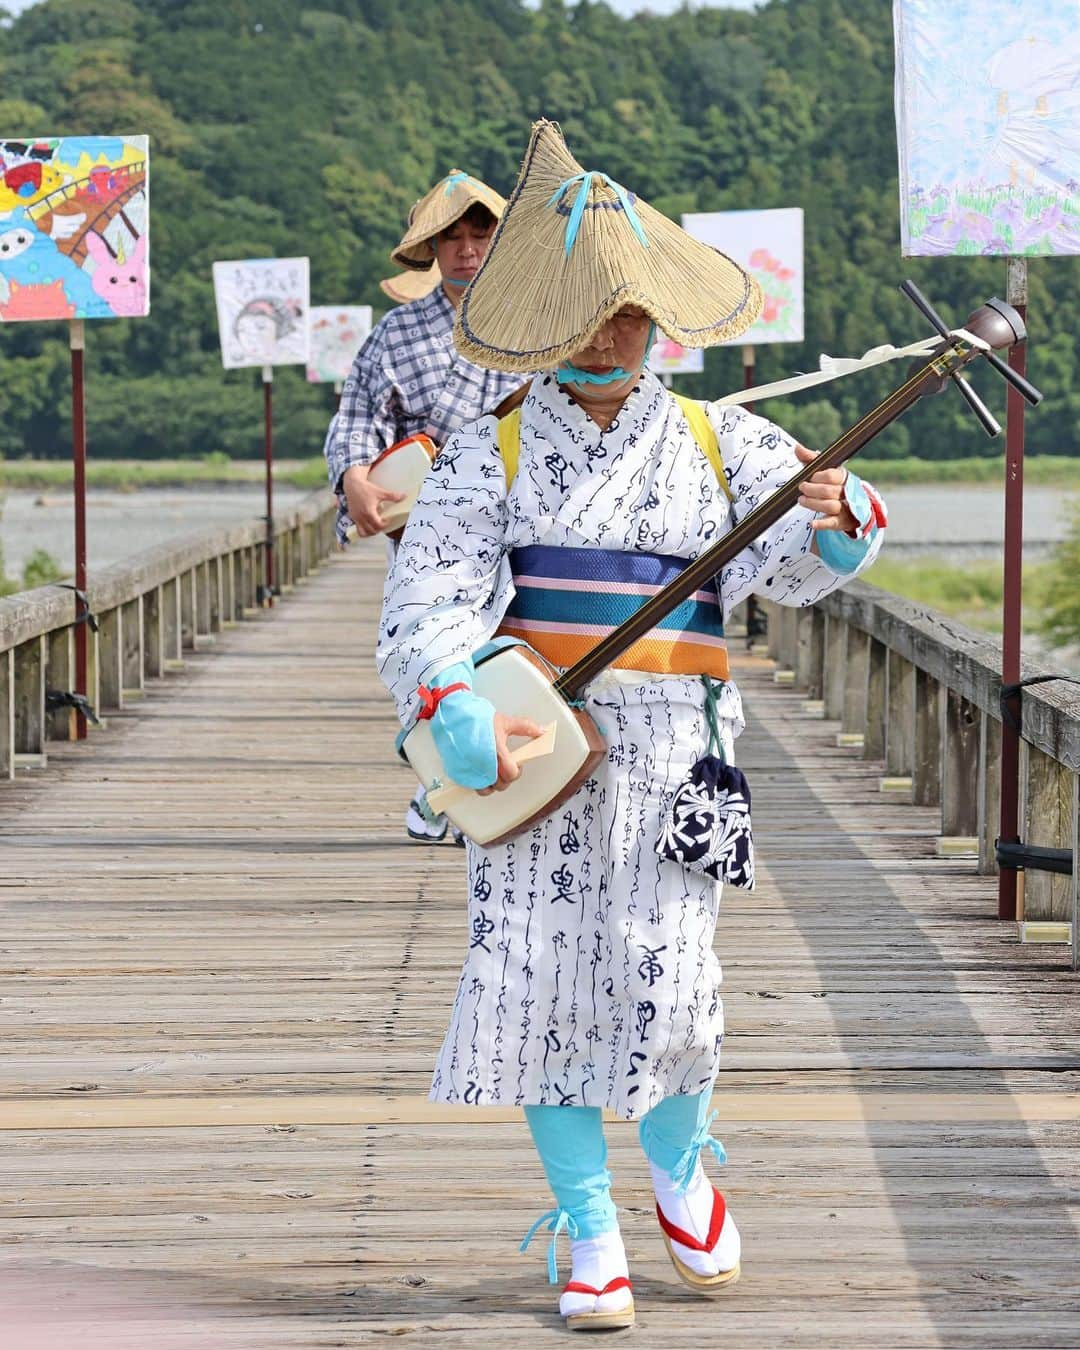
{"points": [[225, 973]]}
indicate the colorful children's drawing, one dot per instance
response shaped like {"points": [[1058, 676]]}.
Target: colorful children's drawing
{"points": [[988, 127], [262, 309], [74, 228], [769, 244], [337, 334], [669, 357]]}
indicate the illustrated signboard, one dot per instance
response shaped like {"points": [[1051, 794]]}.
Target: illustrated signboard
{"points": [[669, 357], [988, 127], [262, 310], [769, 244], [74, 222], [337, 333]]}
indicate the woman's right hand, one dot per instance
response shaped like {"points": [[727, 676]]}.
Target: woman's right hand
{"points": [[505, 728], [364, 500]]}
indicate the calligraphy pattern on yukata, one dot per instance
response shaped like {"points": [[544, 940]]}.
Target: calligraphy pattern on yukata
{"points": [[590, 976]]}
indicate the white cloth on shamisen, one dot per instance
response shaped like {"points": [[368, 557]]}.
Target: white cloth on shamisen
{"points": [[589, 976]]}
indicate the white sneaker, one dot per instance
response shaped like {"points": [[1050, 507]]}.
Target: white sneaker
{"points": [[421, 824]]}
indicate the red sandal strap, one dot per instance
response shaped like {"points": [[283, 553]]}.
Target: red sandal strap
{"points": [[576, 1287], [684, 1239]]}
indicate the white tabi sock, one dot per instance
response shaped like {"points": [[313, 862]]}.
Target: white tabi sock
{"points": [[597, 1261], [691, 1210]]}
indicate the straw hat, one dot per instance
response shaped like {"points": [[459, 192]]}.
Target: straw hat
{"points": [[571, 249], [447, 201], [406, 286]]}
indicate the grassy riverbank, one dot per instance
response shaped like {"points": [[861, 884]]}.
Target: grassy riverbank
{"points": [[126, 475], [970, 592], [218, 470]]}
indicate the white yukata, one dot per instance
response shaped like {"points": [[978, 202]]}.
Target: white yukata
{"points": [[590, 977]]}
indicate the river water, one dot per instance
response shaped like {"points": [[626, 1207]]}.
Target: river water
{"points": [[119, 524], [959, 521]]}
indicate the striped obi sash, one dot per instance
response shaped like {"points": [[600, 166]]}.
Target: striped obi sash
{"points": [[569, 598]]}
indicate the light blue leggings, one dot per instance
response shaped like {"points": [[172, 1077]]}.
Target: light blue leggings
{"points": [[570, 1141]]}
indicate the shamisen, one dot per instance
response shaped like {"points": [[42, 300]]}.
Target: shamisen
{"points": [[590, 980]]}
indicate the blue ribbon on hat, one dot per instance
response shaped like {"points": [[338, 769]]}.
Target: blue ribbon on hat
{"points": [[585, 178], [453, 180]]}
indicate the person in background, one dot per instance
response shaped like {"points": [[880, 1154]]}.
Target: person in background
{"points": [[407, 377]]}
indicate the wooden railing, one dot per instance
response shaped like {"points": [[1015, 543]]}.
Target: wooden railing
{"points": [[919, 692], [149, 609]]}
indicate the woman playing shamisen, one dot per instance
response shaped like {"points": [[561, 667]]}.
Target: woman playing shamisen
{"points": [[590, 980]]}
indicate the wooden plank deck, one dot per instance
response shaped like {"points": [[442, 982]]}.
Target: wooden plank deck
{"points": [[225, 973]]}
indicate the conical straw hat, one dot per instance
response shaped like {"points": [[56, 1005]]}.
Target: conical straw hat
{"points": [[447, 201], [411, 285], [572, 248]]}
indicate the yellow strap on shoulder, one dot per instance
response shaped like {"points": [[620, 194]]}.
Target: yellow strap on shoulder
{"points": [[508, 435], [702, 431]]}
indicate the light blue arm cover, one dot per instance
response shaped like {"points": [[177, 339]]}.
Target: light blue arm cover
{"points": [[463, 730], [838, 550]]}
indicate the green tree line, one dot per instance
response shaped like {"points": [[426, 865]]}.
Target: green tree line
{"points": [[278, 129]]}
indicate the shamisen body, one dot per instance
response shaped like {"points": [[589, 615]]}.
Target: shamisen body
{"points": [[590, 979]]}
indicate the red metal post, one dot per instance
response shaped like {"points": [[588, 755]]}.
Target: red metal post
{"points": [[1009, 829], [268, 419], [78, 446]]}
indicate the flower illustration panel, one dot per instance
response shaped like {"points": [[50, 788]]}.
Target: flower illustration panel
{"points": [[74, 228], [988, 127], [669, 357], [262, 309], [769, 244], [337, 333]]}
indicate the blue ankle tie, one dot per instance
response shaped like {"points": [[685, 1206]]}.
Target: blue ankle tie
{"points": [[682, 1173], [558, 1221]]}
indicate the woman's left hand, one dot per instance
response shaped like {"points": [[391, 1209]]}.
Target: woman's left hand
{"points": [[824, 492]]}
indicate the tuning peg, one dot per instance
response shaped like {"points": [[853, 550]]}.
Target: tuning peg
{"points": [[1022, 386], [924, 307], [989, 423]]}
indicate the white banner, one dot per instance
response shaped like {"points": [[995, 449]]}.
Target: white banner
{"points": [[769, 244], [988, 127], [336, 334], [262, 309]]}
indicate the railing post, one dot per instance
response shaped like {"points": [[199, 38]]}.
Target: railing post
{"points": [[153, 633], [1076, 871], [789, 638], [856, 674], [926, 775], [836, 631], [899, 723], [133, 661], [111, 657], [806, 620], [202, 599], [228, 589], [1048, 895], [876, 700], [7, 714], [93, 675], [960, 803], [60, 675], [189, 609], [215, 589], [30, 701], [772, 628], [989, 793], [171, 636]]}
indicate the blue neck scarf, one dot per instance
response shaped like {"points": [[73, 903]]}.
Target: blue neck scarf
{"points": [[571, 374]]}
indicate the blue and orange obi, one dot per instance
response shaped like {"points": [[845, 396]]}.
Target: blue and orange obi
{"points": [[569, 598]]}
